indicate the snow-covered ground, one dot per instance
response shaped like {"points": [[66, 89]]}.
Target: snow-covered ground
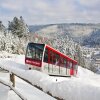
{"points": [[28, 91], [4, 92], [86, 86]]}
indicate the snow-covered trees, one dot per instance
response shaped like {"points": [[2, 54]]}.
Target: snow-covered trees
{"points": [[14, 39], [18, 27], [2, 27], [18, 34], [2, 36]]}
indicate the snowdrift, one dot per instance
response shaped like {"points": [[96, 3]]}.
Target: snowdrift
{"points": [[3, 92], [86, 86]]}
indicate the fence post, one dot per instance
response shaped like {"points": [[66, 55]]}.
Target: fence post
{"points": [[12, 79]]}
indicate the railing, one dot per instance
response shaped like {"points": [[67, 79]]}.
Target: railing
{"points": [[12, 79]]}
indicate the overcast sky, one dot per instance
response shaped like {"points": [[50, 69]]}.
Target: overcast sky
{"points": [[51, 11]]}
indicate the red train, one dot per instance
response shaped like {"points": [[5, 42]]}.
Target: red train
{"points": [[44, 58]]}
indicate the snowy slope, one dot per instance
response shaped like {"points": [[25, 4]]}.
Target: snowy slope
{"points": [[3, 92], [86, 34], [28, 91], [86, 86]]}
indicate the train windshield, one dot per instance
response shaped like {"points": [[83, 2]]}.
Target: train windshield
{"points": [[35, 51]]}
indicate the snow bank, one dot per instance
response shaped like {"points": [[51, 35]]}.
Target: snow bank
{"points": [[4, 54], [86, 86], [13, 57], [12, 65], [13, 96], [82, 72], [19, 59], [3, 92]]}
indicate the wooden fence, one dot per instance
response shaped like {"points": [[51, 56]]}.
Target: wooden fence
{"points": [[12, 79]]}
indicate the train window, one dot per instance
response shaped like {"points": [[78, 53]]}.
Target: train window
{"points": [[35, 51], [51, 56], [30, 52], [65, 62], [70, 64], [61, 61], [46, 55], [38, 54], [75, 67], [29, 55], [54, 58], [57, 59]]}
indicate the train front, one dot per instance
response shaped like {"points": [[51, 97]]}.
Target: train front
{"points": [[34, 55]]}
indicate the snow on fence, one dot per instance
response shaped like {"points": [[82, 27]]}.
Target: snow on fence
{"points": [[23, 73], [11, 87], [85, 87]]}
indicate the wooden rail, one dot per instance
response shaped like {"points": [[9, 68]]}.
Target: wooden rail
{"points": [[12, 88], [12, 79]]}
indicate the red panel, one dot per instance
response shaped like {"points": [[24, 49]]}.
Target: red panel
{"points": [[71, 71], [30, 61], [61, 54]]}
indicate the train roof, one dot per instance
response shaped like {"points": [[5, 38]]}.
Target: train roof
{"points": [[60, 53], [56, 51]]}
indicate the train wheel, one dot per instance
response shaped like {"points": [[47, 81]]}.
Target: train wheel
{"points": [[29, 68]]}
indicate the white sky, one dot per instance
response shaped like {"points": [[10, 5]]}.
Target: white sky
{"points": [[51, 11]]}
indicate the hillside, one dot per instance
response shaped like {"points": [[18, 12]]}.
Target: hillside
{"points": [[78, 32], [62, 37]]}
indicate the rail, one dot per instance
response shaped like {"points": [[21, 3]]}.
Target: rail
{"points": [[12, 88], [12, 79]]}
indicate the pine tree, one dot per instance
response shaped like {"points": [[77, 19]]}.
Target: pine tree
{"points": [[18, 27], [2, 28], [2, 36], [78, 54]]}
